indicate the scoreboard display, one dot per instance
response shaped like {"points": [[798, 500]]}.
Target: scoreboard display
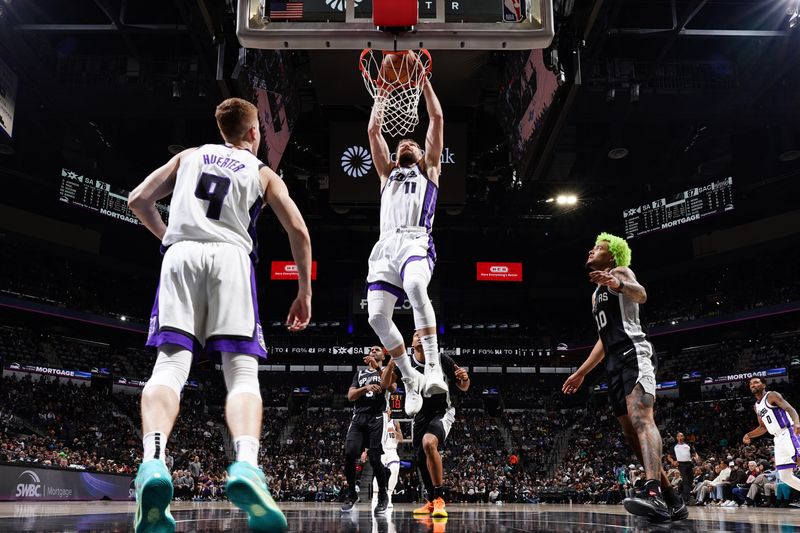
{"points": [[100, 197], [687, 206], [397, 402]]}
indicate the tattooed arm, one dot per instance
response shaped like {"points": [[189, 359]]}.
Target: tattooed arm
{"points": [[621, 280]]}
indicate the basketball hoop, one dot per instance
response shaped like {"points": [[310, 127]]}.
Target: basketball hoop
{"points": [[395, 81]]}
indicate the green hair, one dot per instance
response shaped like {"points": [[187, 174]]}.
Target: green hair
{"points": [[618, 247]]}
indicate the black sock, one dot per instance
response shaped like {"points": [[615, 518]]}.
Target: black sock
{"points": [[438, 492]]}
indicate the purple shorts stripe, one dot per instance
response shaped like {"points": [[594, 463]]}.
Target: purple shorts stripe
{"points": [[184, 340], [785, 467], [388, 287], [795, 441], [255, 345]]}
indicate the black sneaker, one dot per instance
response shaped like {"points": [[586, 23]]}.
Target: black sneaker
{"points": [[383, 502], [678, 510], [649, 504], [350, 501]]}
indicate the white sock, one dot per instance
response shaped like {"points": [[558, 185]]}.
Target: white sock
{"points": [[431, 348], [404, 364], [246, 448], [154, 444]]}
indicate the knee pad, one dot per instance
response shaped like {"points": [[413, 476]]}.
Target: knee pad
{"points": [[241, 374], [171, 370], [415, 284], [381, 307]]}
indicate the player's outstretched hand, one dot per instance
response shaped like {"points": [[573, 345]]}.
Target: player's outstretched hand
{"points": [[572, 384], [746, 439], [299, 313], [601, 277], [461, 374]]}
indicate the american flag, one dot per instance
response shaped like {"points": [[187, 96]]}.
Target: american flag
{"points": [[286, 10]]}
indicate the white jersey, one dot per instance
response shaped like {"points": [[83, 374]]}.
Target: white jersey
{"points": [[389, 441], [408, 200], [217, 198], [775, 419]]}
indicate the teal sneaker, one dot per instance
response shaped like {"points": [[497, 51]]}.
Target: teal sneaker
{"points": [[247, 490], [153, 496]]}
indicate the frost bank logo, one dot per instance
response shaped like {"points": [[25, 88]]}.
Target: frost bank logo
{"points": [[338, 5], [29, 485], [356, 161]]}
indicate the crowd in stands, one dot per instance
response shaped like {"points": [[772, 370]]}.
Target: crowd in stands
{"points": [[502, 456], [598, 466]]}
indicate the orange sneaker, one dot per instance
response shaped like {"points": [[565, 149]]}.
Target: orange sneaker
{"points": [[425, 509], [438, 509]]}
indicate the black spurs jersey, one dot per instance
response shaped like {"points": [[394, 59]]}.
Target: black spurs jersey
{"points": [[617, 320], [372, 403]]}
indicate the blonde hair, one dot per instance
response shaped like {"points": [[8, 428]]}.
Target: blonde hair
{"points": [[234, 117]]}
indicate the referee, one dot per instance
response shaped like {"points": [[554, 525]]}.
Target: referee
{"points": [[683, 456]]}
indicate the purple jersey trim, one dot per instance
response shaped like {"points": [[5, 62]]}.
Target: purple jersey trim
{"points": [[388, 287], [255, 210], [795, 441], [785, 467]]}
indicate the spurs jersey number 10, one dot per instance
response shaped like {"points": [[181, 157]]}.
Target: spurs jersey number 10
{"points": [[775, 418], [217, 198], [408, 200]]}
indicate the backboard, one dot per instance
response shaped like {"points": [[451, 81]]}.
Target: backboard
{"points": [[442, 25]]}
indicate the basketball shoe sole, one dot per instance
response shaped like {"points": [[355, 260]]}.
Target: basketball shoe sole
{"points": [[247, 490], [153, 495]]}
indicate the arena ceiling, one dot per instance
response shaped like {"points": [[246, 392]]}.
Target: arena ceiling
{"points": [[692, 89]]}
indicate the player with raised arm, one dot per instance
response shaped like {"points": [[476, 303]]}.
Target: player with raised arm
{"points": [[206, 302], [778, 418], [631, 368], [401, 263]]}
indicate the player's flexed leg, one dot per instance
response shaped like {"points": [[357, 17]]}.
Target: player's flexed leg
{"points": [[401, 262], [207, 301]]}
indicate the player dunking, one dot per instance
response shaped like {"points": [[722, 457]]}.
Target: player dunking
{"points": [[367, 428], [392, 434], [431, 427], [206, 300], [780, 419], [401, 262], [631, 369]]}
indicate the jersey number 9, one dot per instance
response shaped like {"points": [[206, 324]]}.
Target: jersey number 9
{"points": [[214, 189]]}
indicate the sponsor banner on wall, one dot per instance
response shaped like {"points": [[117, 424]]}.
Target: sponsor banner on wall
{"points": [[55, 484], [666, 385], [46, 371], [770, 373], [499, 271], [401, 307], [287, 270]]}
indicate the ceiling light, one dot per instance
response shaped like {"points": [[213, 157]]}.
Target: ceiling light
{"points": [[566, 199], [550, 200]]}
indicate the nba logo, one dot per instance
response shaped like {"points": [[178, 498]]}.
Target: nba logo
{"points": [[513, 11]]}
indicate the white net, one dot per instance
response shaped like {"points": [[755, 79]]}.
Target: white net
{"points": [[395, 81]]}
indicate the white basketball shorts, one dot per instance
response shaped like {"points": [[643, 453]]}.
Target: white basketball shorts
{"points": [[392, 253]]}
